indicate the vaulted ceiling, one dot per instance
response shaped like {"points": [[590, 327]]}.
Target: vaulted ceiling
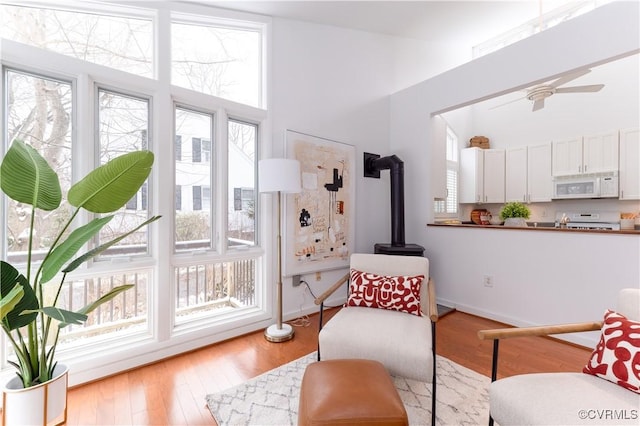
{"points": [[466, 22]]}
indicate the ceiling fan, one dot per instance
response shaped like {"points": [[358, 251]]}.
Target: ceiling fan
{"points": [[540, 92]]}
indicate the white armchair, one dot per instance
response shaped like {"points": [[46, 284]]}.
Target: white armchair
{"points": [[562, 398], [404, 343]]}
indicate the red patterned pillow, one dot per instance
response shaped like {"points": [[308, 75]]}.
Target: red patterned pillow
{"points": [[399, 293], [617, 356]]}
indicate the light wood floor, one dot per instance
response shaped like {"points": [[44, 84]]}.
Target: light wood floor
{"points": [[172, 391]]}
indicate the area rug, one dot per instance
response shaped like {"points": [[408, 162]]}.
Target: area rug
{"points": [[272, 398]]}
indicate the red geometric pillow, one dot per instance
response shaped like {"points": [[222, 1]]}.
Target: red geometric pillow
{"points": [[401, 293], [617, 356]]}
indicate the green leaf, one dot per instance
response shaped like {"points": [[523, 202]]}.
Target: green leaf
{"points": [[110, 186], [62, 315], [10, 300], [10, 279], [96, 251], [104, 299], [67, 249], [28, 178]]}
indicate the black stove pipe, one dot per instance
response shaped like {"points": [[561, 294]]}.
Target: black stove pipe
{"points": [[396, 171]]}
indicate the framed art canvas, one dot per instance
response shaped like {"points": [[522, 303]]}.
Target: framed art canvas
{"points": [[320, 228]]}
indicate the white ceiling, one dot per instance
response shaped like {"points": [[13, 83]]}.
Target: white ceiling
{"points": [[467, 22]]}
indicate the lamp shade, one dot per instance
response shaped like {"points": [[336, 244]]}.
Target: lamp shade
{"points": [[279, 174]]}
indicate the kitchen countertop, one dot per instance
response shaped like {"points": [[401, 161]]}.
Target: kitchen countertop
{"points": [[542, 226]]}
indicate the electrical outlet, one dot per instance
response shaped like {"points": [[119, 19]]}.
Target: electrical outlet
{"points": [[296, 280], [318, 276], [487, 280]]}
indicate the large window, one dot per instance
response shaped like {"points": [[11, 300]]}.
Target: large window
{"points": [[123, 126], [243, 140], [227, 65], [120, 42], [39, 111], [193, 220], [83, 86]]}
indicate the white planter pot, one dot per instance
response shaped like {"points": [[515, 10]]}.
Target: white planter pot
{"points": [[44, 404], [515, 221]]}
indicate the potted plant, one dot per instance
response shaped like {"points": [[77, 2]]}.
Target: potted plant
{"points": [[31, 323], [515, 214]]}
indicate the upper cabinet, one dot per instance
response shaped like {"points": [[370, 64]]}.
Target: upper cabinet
{"points": [[567, 157], [539, 182], [494, 175], [629, 174], [588, 154], [471, 188], [600, 153], [528, 173], [482, 175], [516, 174]]}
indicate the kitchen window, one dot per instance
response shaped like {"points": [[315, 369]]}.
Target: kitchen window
{"points": [[449, 206]]}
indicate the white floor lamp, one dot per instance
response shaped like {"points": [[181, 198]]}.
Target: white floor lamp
{"points": [[279, 175]]}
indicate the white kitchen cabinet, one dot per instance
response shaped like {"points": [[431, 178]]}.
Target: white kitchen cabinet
{"points": [[482, 175], [516, 174], [471, 189], [567, 157], [588, 154], [528, 174], [539, 179], [600, 153], [494, 175], [629, 174]]}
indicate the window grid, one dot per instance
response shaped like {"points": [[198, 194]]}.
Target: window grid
{"points": [[243, 264]]}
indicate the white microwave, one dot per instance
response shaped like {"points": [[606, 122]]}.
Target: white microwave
{"points": [[587, 186]]}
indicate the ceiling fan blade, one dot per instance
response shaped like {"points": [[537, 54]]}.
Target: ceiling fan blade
{"points": [[539, 104], [568, 78], [508, 102], [578, 89]]}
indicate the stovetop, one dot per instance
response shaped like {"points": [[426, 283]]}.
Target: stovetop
{"points": [[590, 220]]}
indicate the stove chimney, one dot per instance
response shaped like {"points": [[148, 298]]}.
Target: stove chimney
{"points": [[372, 166]]}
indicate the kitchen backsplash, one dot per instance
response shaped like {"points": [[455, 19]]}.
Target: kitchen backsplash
{"points": [[546, 212]]}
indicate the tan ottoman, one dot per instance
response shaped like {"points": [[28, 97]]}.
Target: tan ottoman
{"points": [[349, 391]]}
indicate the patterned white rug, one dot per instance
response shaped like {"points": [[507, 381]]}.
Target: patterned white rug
{"points": [[272, 398]]}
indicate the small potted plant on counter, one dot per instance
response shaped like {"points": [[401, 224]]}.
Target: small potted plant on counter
{"points": [[515, 214]]}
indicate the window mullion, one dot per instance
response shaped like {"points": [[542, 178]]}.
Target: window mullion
{"points": [[221, 180], [162, 303]]}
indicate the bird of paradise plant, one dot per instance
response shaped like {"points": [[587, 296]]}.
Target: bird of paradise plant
{"points": [[26, 318]]}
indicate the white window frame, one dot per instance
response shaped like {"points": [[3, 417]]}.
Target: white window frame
{"points": [[449, 207], [161, 338]]}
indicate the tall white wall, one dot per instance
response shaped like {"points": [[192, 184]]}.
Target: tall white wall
{"points": [[607, 33], [335, 83]]}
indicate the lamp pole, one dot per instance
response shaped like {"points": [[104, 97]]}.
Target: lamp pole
{"points": [[279, 175]]}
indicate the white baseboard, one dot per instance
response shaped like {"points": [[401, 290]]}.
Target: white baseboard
{"points": [[587, 339]]}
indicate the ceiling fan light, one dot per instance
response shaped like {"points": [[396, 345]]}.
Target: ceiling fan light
{"points": [[540, 92]]}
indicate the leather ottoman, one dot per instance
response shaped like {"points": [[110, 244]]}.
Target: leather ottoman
{"points": [[349, 391]]}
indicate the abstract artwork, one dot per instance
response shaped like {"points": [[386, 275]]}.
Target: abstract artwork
{"points": [[320, 220]]}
